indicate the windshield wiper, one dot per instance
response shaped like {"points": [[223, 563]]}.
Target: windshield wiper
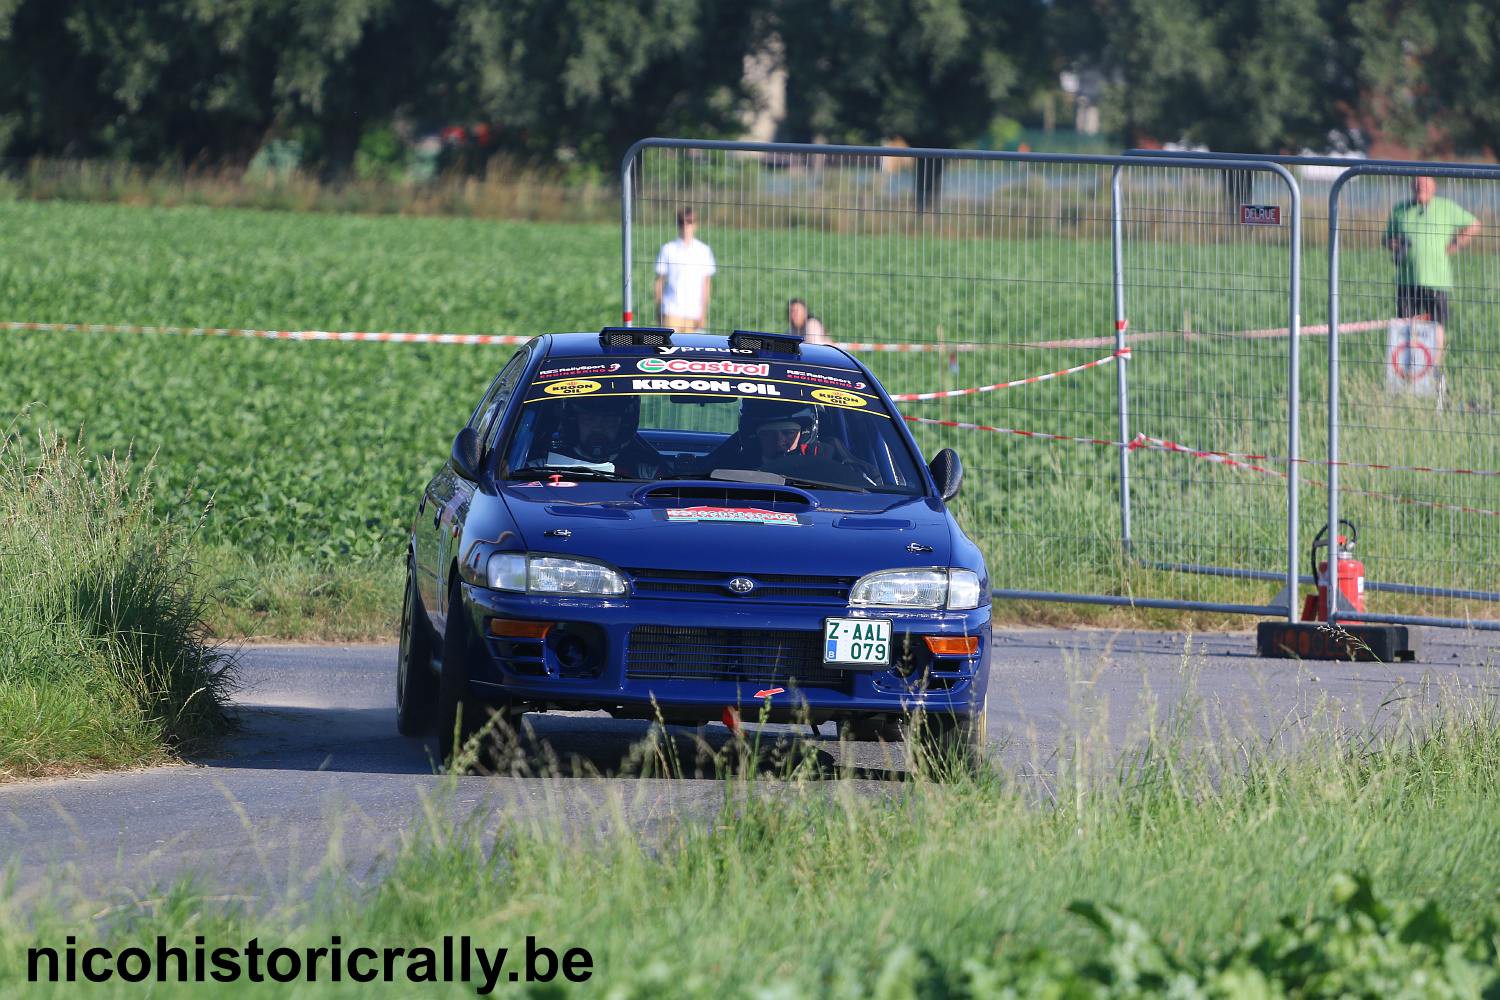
{"points": [[819, 484], [570, 472], [756, 477]]}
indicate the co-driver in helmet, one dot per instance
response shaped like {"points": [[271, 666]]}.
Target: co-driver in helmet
{"points": [[600, 433]]}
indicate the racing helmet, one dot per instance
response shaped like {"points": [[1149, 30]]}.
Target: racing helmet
{"points": [[604, 437], [757, 415]]}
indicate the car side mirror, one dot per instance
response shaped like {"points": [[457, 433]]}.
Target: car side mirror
{"points": [[465, 455], [947, 472]]}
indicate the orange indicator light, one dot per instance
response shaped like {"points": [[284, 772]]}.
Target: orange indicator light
{"points": [[507, 629], [953, 645]]}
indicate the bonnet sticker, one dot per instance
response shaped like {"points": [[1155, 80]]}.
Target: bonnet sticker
{"points": [[732, 515]]}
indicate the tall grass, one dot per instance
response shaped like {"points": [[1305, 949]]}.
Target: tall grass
{"points": [[102, 656]]}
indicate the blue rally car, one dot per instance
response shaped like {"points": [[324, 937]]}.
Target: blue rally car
{"points": [[669, 526]]}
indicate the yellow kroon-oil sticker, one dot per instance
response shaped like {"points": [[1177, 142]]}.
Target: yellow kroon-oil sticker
{"points": [[572, 387], [836, 398]]}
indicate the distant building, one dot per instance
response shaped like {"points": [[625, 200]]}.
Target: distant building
{"points": [[1084, 87], [765, 77]]}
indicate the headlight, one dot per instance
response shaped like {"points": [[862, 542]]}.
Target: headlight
{"points": [[902, 588], [553, 575], [933, 589]]}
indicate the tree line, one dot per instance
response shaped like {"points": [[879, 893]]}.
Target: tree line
{"points": [[212, 81]]}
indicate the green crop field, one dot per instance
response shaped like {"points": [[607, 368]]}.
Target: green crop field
{"points": [[308, 452], [307, 455]]}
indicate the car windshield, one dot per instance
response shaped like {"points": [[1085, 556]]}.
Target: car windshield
{"points": [[709, 415]]}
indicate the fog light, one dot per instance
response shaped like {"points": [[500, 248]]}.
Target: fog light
{"points": [[953, 645], [507, 629]]}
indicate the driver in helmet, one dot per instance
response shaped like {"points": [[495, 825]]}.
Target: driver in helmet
{"points": [[784, 433], [768, 431], [600, 433]]}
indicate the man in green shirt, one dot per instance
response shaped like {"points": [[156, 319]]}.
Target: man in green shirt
{"points": [[1423, 232]]}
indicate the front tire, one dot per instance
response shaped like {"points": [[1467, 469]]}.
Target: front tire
{"points": [[460, 715], [416, 684]]}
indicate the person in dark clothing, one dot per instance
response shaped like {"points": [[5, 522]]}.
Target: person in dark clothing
{"points": [[601, 433], [767, 431], [783, 438]]}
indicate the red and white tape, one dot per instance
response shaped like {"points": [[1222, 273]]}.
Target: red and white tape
{"points": [[1221, 458], [1161, 444], [1042, 435], [913, 397], [1269, 333], [1231, 459], [386, 337], [887, 348], [396, 337], [1244, 456]]}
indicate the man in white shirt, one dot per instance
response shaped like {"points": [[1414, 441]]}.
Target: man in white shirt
{"points": [[684, 272]]}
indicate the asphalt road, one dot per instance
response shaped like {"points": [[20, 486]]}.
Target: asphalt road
{"points": [[317, 779]]}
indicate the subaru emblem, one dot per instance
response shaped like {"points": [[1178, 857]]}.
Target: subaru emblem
{"points": [[742, 585]]}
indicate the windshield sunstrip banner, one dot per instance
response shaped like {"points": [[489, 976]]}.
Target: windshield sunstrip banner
{"points": [[707, 377]]}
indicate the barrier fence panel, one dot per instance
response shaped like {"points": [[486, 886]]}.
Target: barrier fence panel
{"points": [[1414, 432], [1089, 333], [1403, 444]]}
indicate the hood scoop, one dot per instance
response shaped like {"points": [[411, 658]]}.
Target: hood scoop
{"points": [[700, 491], [584, 510], [875, 523]]}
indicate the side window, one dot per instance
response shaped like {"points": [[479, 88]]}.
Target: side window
{"points": [[499, 393]]}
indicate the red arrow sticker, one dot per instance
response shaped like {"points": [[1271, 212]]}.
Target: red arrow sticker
{"points": [[770, 691]]}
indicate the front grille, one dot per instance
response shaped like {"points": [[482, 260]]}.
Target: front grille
{"points": [[792, 587], [761, 657]]}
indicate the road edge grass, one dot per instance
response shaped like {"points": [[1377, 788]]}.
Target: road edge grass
{"points": [[105, 661], [1360, 865]]}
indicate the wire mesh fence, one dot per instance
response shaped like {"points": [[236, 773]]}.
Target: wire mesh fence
{"points": [[1417, 434], [987, 292]]}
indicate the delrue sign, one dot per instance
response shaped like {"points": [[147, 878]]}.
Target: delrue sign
{"points": [[1260, 215]]}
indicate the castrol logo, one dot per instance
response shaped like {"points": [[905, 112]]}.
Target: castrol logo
{"points": [[695, 366]]}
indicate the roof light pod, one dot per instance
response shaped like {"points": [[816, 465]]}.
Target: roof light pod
{"points": [[789, 344], [635, 336]]}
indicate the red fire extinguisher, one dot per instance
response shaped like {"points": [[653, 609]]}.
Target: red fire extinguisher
{"points": [[1351, 576]]}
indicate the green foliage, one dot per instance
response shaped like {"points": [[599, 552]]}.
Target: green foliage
{"points": [[1363, 948], [200, 80], [380, 156], [595, 75], [933, 73], [1430, 70], [1244, 75], [203, 80], [191, 81]]}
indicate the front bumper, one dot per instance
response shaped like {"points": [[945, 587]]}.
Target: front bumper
{"points": [[550, 673]]}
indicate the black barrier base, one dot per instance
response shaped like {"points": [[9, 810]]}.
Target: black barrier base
{"points": [[1320, 641]]}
